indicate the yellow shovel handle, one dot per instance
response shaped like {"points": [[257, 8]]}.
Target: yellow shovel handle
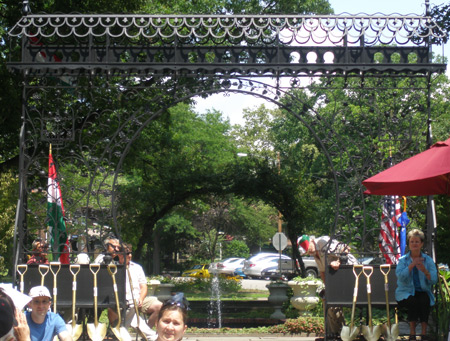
{"points": [[385, 269], [112, 269], [357, 266], [386, 289], [74, 273], [42, 272], [368, 270], [22, 273], [95, 268], [357, 273], [57, 266], [20, 267]]}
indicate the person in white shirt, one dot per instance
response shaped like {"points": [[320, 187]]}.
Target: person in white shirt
{"points": [[149, 305]]}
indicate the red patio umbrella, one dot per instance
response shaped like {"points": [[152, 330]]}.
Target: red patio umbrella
{"points": [[426, 173]]}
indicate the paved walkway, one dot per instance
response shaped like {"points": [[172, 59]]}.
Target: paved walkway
{"points": [[211, 337]]}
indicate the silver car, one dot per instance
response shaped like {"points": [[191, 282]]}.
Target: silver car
{"points": [[228, 266], [254, 265]]}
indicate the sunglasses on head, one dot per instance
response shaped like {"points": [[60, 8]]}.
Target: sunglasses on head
{"points": [[178, 300]]}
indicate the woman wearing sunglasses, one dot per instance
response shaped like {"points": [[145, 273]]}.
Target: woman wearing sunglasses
{"points": [[172, 319]]}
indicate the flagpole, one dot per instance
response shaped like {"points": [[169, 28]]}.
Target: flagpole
{"points": [[394, 202], [47, 237]]}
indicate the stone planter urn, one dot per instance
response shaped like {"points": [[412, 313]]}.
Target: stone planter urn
{"points": [[305, 297], [152, 285], [277, 296], [164, 291]]}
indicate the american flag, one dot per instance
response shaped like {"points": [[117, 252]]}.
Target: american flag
{"points": [[389, 240]]}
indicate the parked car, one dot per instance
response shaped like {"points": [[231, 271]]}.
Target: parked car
{"points": [[288, 271], [198, 270], [227, 266], [254, 265], [273, 273], [239, 273]]}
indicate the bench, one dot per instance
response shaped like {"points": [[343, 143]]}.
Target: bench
{"points": [[340, 283], [339, 287]]}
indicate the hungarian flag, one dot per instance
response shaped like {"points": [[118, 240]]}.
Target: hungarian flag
{"points": [[55, 215], [389, 236]]}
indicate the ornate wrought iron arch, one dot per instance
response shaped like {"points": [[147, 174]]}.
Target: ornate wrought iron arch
{"points": [[70, 64]]}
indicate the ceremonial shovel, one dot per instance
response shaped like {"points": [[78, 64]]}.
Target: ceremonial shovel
{"points": [[55, 287], [390, 331], [74, 329], [350, 333], [43, 270], [21, 273], [97, 331], [120, 332], [370, 332]]}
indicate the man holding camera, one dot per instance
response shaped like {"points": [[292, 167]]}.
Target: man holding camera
{"points": [[337, 253], [39, 256], [112, 254]]}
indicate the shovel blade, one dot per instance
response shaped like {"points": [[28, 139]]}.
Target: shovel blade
{"points": [[121, 333], [349, 334], [371, 334], [135, 323], [390, 334], [76, 331], [96, 333]]}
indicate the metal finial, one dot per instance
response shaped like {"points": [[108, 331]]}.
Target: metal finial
{"points": [[26, 8]]}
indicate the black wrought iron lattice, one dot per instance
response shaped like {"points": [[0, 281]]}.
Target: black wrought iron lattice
{"points": [[69, 63], [281, 45]]}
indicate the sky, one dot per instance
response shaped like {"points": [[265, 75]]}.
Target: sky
{"points": [[232, 105]]}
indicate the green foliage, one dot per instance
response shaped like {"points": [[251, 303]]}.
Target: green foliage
{"points": [[240, 7], [235, 248], [227, 330], [441, 14], [442, 314], [8, 202], [307, 325], [203, 285]]}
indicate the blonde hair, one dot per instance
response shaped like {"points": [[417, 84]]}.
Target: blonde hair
{"points": [[415, 233]]}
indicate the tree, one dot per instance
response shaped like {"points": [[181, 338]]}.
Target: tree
{"points": [[235, 248], [182, 160], [8, 202]]}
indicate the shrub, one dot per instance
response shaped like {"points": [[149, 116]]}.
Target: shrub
{"points": [[308, 325], [199, 285]]}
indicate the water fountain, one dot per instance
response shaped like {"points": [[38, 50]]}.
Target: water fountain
{"points": [[215, 304]]}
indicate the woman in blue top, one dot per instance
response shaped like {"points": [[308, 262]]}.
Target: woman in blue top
{"points": [[416, 274]]}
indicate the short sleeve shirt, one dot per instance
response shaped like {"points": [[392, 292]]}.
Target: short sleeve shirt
{"points": [[46, 331], [324, 246], [138, 278]]}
